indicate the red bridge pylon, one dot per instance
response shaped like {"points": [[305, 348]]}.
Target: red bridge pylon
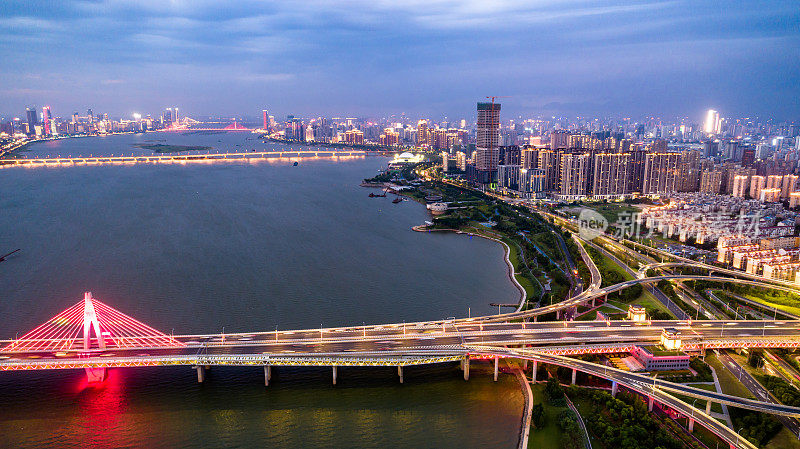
{"points": [[90, 324]]}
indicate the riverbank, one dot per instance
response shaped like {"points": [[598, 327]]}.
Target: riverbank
{"points": [[24, 144], [506, 258]]}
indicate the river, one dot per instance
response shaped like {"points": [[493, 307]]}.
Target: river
{"points": [[244, 246]]}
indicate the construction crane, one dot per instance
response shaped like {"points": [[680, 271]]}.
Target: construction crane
{"points": [[498, 96], [3, 258]]}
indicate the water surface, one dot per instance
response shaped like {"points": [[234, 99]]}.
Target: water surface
{"points": [[244, 246]]}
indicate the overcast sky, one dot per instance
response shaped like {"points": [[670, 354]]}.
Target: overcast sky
{"points": [[374, 58]]}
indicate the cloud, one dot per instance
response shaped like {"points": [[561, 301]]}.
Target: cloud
{"points": [[412, 55]]}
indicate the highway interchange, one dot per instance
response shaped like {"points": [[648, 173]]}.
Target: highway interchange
{"points": [[495, 336]]}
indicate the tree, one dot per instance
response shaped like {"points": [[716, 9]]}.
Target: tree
{"points": [[537, 415]]}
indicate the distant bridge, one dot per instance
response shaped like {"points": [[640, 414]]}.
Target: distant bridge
{"points": [[178, 158]]}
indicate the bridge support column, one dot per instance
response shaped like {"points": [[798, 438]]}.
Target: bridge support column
{"points": [[650, 402], [691, 425], [593, 300], [267, 374], [466, 368], [558, 314], [334, 374], [536, 318], [400, 372], [574, 375], [95, 374], [496, 363], [614, 388], [201, 373], [533, 374], [708, 407]]}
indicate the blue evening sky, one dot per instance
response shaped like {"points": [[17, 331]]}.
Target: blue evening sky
{"points": [[419, 57]]}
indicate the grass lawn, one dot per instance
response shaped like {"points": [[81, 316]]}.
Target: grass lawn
{"points": [[531, 288], [784, 439], [584, 409], [590, 316], [741, 359], [604, 263], [610, 211], [650, 302], [790, 309], [646, 300], [548, 244], [550, 434], [701, 404], [729, 383]]}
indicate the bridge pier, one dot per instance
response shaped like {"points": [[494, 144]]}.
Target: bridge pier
{"points": [[536, 318], [574, 375], [201, 373], [400, 372], [708, 407], [614, 388], [95, 374], [650, 402], [691, 425], [334, 374], [466, 368], [267, 374], [533, 374], [496, 363]]}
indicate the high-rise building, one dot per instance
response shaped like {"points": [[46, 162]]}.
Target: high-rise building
{"points": [[487, 137], [740, 185], [748, 155], [636, 171], [711, 181], [531, 180], [757, 184], [789, 185], [550, 163], [265, 119], [660, 173], [422, 133], [529, 158], [461, 160], [508, 176], [574, 174], [769, 195], [354, 137], [559, 139], [389, 138], [90, 115], [712, 123], [33, 119], [47, 120], [689, 178], [611, 173]]}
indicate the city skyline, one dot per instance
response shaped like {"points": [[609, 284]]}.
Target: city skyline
{"points": [[367, 59]]}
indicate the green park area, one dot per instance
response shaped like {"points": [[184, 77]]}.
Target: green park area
{"points": [[551, 423], [612, 273], [537, 249], [624, 422], [770, 299]]}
